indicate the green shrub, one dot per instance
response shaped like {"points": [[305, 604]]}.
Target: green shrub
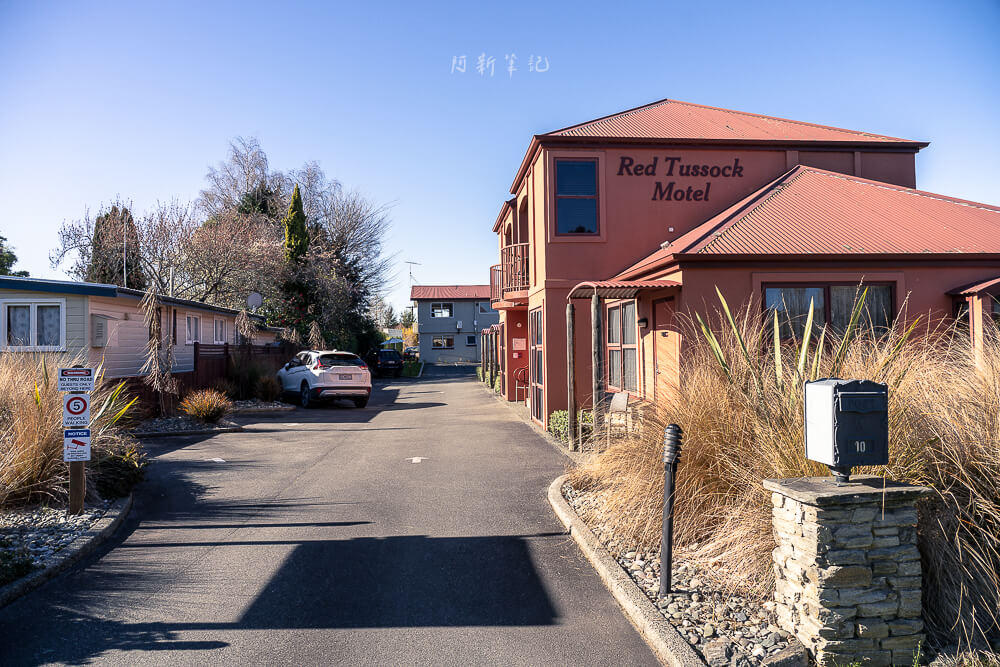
{"points": [[207, 405], [411, 369], [268, 388], [479, 373], [245, 375], [559, 424], [498, 384], [118, 471], [14, 563]]}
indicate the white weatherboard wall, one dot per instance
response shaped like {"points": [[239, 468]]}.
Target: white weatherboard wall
{"points": [[76, 316]]}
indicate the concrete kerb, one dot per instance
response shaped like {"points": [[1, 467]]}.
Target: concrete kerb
{"points": [[82, 546], [668, 645]]}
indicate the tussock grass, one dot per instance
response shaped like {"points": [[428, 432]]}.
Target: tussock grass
{"points": [[741, 411], [208, 405], [31, 442]]}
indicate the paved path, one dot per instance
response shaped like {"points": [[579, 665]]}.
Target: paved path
{"points": [[318, 542]]}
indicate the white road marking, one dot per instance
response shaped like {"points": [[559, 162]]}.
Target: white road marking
{"points": [[417, 459], [216, 460], [293, 424]]}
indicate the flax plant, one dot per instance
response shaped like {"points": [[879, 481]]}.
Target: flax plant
{"points": [[740, 405]]}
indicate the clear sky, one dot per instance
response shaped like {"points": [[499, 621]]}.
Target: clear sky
{"points": [[137, 99]]}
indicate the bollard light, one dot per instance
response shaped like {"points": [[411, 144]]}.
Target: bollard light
{"points": [[672, 436]]}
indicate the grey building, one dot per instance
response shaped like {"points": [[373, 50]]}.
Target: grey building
{"points": [[449, 319]]}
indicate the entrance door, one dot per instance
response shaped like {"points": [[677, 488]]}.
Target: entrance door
{"points": [[666, 346], [535, 364]]}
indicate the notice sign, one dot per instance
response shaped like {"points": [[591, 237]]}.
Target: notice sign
{"points": [[76, 379], [76, 410], [520, 343], [76, 444]]}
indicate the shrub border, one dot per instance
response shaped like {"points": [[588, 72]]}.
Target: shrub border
{"points": [[82, 546], [667, 644]]}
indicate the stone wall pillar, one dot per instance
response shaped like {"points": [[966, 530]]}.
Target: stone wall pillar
{"points": [[847, 569]]}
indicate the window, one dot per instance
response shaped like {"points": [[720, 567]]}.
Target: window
{"points": [[484, 308], [576, 197], [441, 310], [34, 325], [622, 349], [536, 355], [443, 342], [832, 304], [193, 333], [470, 341], [220, 331], [342, 359]]}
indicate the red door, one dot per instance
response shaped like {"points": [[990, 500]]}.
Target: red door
{"points": [[666, 345]]}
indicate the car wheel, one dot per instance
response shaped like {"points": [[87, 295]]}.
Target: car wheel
{"points": [[305, 397], [397, 374], [360, 402]]}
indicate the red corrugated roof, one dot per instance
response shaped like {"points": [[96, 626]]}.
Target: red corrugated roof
{"points": [[976, 287], [449, 292], [682, 120], [810, 211]]}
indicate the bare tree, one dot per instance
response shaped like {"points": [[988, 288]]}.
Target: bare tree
{"points": [[243, 182]]}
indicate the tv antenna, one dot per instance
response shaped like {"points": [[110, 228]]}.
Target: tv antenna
{"points": [[411, 270]]}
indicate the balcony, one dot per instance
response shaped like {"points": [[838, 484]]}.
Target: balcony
{"points": [[511, 274]]}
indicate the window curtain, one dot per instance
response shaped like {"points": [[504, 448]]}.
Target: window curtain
{"points": [[47, 325], [876, 315], [18, 325], [792, 306]]}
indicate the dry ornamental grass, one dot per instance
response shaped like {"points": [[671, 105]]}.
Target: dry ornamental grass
{"points": [[742, 415], [31, 433]]}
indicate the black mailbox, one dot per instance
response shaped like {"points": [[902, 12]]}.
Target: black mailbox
{"points": [[847, 424]]}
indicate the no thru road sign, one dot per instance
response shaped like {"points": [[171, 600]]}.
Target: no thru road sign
{"points": [[76, 410], [76, 379]]}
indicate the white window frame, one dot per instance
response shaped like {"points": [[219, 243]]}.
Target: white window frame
{"points": [[441, 305], [187, 329], [33, 335], [215, 330]]}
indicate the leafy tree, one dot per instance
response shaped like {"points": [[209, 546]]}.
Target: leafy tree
{"points": [[407, 320], [296, 236], [8, 259], [111, 231]]}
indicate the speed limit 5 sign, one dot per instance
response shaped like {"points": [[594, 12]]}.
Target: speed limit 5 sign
{"points": [[76, 410]]}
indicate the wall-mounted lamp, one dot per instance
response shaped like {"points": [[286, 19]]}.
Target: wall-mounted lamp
{"points": [[643, 322]]}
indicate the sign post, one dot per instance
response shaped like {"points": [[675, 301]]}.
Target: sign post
{"points": [[79, 382]]}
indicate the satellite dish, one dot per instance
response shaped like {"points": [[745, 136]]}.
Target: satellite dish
{"points": [[254, 300]]}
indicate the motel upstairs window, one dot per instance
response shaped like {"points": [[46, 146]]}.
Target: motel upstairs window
{"points": [[442, 310], [576, 197], [832, 304], [622, 350]]}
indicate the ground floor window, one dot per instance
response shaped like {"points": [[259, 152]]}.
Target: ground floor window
{"points": [[832, 306], [535, 358], [443, 342], [34, 325], [621, 349], [470, 340], [193, 332], [220, 331]]}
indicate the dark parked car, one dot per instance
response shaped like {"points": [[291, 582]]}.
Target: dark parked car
{"points": [[385, 362], [411, 353]]}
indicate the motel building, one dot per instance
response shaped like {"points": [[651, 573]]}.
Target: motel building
{"points": [[641, 215]]}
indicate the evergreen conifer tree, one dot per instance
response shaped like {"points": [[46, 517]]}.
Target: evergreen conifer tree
{"points": [[296, 236], [107, 247]]}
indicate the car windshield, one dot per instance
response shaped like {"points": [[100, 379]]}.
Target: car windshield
{"points": [[340, 360], [388, 355]]}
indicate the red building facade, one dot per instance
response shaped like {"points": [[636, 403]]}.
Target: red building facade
{"points": [[654, 208]]}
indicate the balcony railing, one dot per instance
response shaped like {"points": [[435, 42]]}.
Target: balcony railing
{"points": [[511, 274]]}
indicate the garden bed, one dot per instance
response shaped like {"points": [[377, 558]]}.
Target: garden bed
{"points": [[255, 406], [181, 425], [725, 629]]}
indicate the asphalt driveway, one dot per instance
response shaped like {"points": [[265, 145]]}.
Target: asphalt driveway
{"points": [[414, 531]]}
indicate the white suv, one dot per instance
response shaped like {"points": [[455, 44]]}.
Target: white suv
{"points": [[325, 374]]}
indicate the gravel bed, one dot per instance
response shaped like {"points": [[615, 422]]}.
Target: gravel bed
{"points": [[181, 423], [725, 629], [43, 532]]}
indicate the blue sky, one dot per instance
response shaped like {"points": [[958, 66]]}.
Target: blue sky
{"points": [[103, 99]]}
